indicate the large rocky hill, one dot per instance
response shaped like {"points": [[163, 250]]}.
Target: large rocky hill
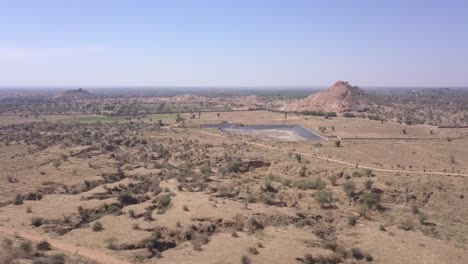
{"points": [[340, 97]]}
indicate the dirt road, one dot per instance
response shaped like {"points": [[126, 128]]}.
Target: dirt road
{"points": [[67, 247]]}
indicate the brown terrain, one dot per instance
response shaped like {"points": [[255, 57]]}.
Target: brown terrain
{"points": [[143, 187]]}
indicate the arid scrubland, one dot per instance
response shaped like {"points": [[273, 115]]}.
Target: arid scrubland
{"points": [[140, 192], [144, 180]]}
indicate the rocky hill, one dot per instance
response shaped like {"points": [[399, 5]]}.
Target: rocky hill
{"points": [[340, 97], [74, 94]]}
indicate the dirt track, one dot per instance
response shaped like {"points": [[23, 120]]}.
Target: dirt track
{"points": [[67, 247]]}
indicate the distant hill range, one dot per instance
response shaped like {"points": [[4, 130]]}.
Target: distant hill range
{"points": [[340, 97], [74, 94]]}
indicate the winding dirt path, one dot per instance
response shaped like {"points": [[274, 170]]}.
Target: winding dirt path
{"points": [[335, 160], [65, 246]]}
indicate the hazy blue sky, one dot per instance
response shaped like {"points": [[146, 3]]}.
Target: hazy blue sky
{"points": [[248, 43]]}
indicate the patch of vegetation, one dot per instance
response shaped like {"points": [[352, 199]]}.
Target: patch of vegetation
{"points": [[349, 187], [37, 221], [164, 200], [43, 246], [406, 225], [246, 260], [323, 197], [307, 184]]}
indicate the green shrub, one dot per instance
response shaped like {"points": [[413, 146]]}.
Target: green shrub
{"points": [[25, 248], [306, 184], [349, 187], [131, 213], [164, 200], [422, 218], [323, 197], [368, 173], [333, 179], [226, 191], [205, 170], [234, 166], [251, 198], [372, 200]]}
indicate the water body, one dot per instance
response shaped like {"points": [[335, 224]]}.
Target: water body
{"points": [[281, 132]]}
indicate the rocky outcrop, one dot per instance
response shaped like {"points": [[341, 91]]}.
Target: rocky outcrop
{"points": [[340, 97], [74, 94]]}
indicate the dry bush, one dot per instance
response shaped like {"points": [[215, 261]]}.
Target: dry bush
{"points": [[357, 253], [349, 187], [37, 221], [199, 240], [406, 225], [97, 226], [245, 260], [43, 246]]}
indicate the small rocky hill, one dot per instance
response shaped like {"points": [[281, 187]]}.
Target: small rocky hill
{"points": [[340, 97], [74, 94]]}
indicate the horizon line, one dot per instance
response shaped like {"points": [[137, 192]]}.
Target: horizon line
{"points": [[222, 86]]}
